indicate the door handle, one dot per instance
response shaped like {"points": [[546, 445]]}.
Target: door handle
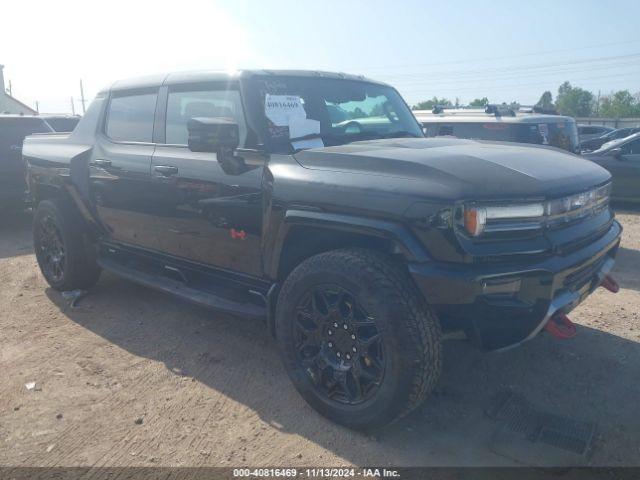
{"points": [[101, 162], [166, 170]]}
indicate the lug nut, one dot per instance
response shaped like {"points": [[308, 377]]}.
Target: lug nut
{"points": [[354, 349], [345, 326], [353, 337], [335, 324], [348, 357], [330, 345], [338, 354], [330, 332]]}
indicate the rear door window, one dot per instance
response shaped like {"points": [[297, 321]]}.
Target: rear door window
{"points": [[130, 117]]}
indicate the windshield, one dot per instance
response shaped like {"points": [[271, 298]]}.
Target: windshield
{"points": [[304, 112]]}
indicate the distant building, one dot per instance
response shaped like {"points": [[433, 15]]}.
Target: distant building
{"points": [[8, 104]]}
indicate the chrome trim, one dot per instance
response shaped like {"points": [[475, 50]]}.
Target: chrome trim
{"points": [[510, 227], [563, 300]]}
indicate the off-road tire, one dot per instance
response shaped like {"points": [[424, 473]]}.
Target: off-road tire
{"points": [[409, 329], [80, 269]]}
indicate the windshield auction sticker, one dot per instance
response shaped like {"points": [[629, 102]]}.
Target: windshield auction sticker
{"points": [[280, 109], [288, 116]]}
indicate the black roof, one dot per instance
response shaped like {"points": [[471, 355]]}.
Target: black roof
{"points": [[177, 78]]}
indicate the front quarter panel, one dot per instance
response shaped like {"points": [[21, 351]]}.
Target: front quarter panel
{"points": [[295, 195]]}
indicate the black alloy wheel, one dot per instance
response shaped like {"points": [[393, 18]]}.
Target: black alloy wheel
{"points": [[51, 248], [339, 345]]}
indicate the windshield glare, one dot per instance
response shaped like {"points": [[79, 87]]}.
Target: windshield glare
{"points": [[334, 111]]}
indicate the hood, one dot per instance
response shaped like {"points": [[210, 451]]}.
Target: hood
{"points": [[454, 169]]}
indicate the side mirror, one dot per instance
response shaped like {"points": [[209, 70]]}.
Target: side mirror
{"points": [[222, 137], [616, 153], [213, 135]]}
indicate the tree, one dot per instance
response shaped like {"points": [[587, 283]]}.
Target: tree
{"points": [[429, 104], [479, 102], [546, 101], [620, 104], [574, 101]]}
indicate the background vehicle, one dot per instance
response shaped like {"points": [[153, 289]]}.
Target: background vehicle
{"points": [[13, 129], [62, 123], [356, 242], [586, 132], [596, 143], [622, 158], [501, 124]]}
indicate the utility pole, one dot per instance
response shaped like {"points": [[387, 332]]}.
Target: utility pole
{"points": [[73, 108], [37, 106], [10, 94], [82, 97]]}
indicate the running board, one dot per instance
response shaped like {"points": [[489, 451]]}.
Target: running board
{"points": [[206, 298]]}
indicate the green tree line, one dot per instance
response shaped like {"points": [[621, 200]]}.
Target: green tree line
{"points": [[570, 100]]}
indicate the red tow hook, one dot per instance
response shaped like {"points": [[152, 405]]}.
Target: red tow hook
{"points": [[610, 284], [561, 327]]}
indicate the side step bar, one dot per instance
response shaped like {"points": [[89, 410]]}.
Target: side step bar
{"points": [[181, 290]]}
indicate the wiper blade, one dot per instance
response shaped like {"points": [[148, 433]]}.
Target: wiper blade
{"points": [[349, 138], [311, 136], [400, 134], [381, 135]]}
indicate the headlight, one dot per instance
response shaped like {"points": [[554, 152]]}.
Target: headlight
{"points": [[478, 219]]}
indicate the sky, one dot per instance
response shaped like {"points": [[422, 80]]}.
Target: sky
{"points": [[506, 50]]}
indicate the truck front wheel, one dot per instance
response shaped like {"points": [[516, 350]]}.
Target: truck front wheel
{"points": [[357, 339], [58, 240]]}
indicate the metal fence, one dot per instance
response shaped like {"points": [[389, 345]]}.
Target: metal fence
{"points": [[610, 122]]}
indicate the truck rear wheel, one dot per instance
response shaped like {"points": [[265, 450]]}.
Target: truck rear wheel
{"points": [[63, 257], [357, 339]]}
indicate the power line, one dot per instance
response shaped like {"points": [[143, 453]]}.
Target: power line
{"points": [[504, 57], [507, 75], [466, 72], [497, 86]]}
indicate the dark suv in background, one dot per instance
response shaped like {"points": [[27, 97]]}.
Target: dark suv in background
{"points": [[501, 124], [13, 129]]}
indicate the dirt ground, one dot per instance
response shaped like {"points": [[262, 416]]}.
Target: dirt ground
{"points": [[132, 377]]}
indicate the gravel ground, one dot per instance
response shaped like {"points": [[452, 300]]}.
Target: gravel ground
{"points": [[135, 378]]}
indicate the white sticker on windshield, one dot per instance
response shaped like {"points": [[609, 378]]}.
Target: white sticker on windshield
{"points": [[280, 109]]}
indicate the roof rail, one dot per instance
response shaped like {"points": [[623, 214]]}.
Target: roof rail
{"points": [[499, 110], [537, 109]]}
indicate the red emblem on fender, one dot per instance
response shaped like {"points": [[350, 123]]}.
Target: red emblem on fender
{"points": [[238, 234]]}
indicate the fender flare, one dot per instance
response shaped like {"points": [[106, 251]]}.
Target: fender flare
{"points": [[400, 236], [70, 180]]}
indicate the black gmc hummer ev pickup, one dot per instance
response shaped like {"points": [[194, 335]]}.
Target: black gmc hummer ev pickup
{"points": [[313, 201]]}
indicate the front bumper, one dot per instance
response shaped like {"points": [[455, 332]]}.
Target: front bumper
{"points": [[503, 305]]}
